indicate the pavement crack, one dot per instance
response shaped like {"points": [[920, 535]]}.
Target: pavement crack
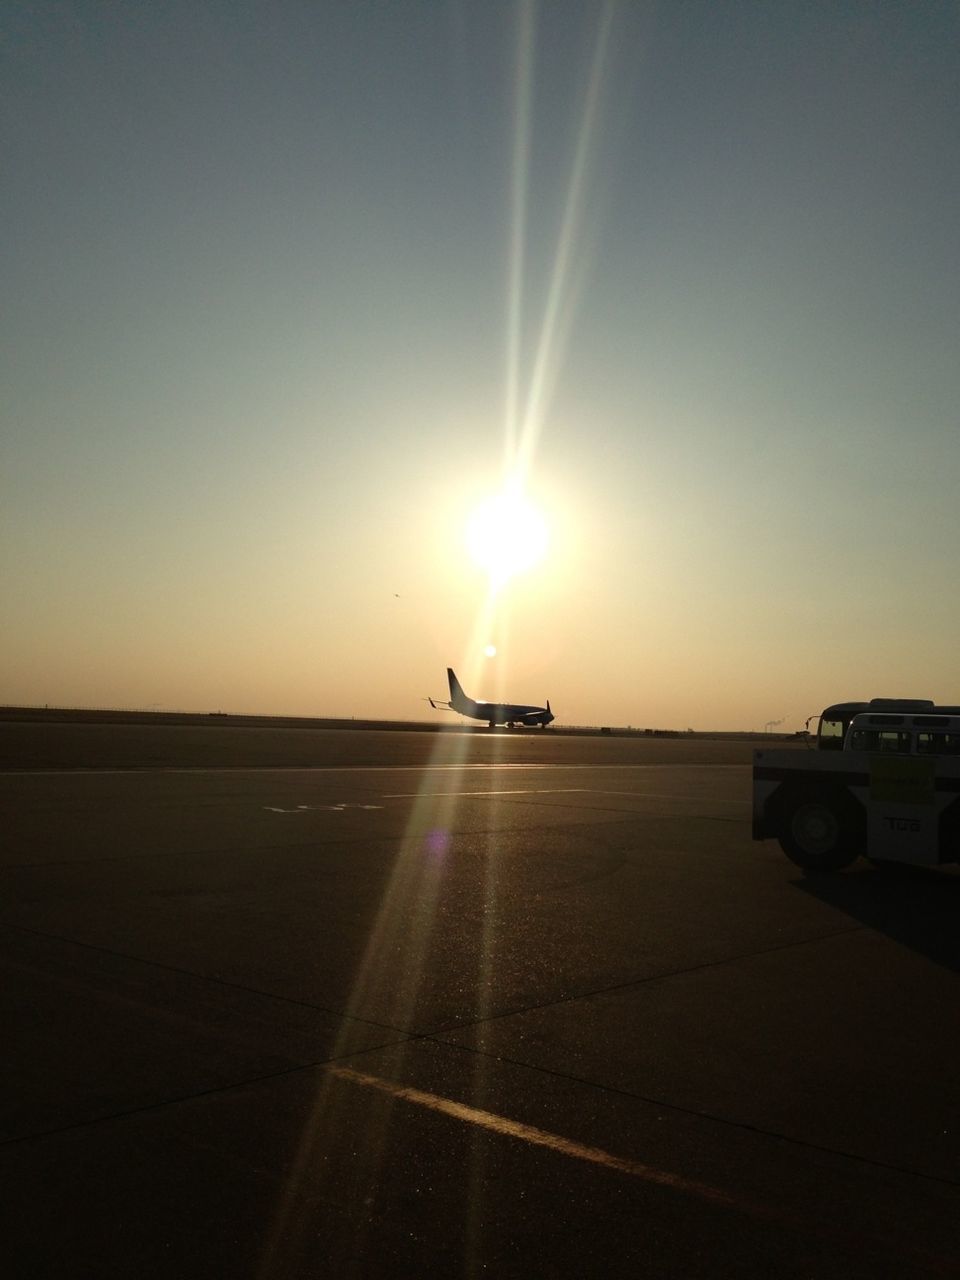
{"points": [[631, 983], [211, 979], [699, 1114]]}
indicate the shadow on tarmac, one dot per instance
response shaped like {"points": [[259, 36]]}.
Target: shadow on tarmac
{"points": [[918, 907]]}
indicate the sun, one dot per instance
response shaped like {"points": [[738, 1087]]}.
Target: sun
{"points": [[507, 535]]}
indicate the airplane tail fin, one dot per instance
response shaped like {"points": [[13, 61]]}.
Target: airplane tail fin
{"points": [[458, 699]]}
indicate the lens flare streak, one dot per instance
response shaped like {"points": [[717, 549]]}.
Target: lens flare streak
{"points": [[522, 439]]}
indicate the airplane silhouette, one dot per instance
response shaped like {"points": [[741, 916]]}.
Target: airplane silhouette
{"points": [[508, 713]]}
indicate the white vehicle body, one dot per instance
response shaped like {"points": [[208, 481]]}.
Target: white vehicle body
{"points": [[892, 794], [927, 734]]}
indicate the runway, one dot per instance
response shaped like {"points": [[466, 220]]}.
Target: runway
{"points": [[512, 1008]]}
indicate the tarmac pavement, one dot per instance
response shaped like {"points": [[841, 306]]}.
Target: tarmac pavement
{"points": [[478, 1014]]}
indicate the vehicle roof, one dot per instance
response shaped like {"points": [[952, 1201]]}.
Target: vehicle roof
{"points": [[942, 718], [839, 710]]}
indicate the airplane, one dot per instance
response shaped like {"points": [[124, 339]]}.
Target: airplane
{"points": [[494, 713]]}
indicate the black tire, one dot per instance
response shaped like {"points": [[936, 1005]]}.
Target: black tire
{"points": [[819, 831]]}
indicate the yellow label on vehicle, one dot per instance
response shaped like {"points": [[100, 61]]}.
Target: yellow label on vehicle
{"points": [[901, 779]]}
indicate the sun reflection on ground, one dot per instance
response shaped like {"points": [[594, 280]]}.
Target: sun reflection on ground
{"points": [[391, 989]]}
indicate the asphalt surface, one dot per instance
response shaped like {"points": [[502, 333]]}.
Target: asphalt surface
{"points": [[518, 1008]]}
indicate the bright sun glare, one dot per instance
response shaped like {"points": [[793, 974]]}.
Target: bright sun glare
{"points": [[506, 535]]}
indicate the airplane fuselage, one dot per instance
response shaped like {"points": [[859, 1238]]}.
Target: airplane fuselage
{"points": [[494, 713], [504, 713]]}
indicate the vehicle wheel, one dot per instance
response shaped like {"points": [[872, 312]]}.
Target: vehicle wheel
{"points": [[818, 833]]}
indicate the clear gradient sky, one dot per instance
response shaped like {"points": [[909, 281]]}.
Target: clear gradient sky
{"points": [[287, 287]]}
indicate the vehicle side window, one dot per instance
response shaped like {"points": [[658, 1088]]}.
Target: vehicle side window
{"points": [[886, 740], [831, 733]]}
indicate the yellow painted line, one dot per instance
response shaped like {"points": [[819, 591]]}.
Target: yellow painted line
{"points": [[876, 1244], [541, 1138]]}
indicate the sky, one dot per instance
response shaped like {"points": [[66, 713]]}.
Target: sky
{"points": [[290, 288]]}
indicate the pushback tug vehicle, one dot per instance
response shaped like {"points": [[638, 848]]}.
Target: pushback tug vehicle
{"points": [[884, 783]]}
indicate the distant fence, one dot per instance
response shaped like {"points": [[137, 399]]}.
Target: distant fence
{"points": [[214, 719]]}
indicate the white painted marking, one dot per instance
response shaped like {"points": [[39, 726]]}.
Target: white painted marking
{"points": [[532, 791], [348, 768], [320, 808], [667, 795], [556, 791]]}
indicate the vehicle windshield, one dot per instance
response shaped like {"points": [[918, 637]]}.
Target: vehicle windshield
{"points": [[831, 734]]}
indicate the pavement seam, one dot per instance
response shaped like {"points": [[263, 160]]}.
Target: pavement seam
{"points": [[600, 808], [697, 1114], [185, 853], [626, 816], [407, 1041], [435, 1037], [433, 1033], [304, 844], [208, 978], [399, 1036], [653, 977], [147, 1107], [140, 770]]}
